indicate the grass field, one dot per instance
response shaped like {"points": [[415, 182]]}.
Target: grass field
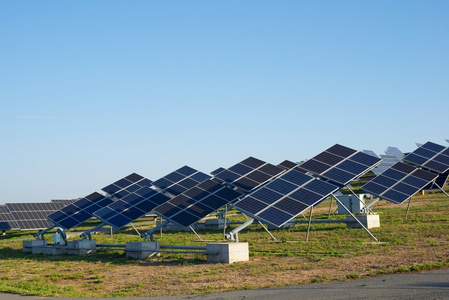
{"points": [[333, 252]]}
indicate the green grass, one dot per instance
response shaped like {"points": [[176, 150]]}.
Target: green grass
{"points": [[416, 243]]}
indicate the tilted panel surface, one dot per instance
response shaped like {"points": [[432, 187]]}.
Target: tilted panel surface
{"points": [[340, 164], [181, 180], [197, 202], [285, 197], [131, 207], [399, 182], [80, 211], [249, 174], [126, 185], [430, 156], [33, 215], [7, 221]]}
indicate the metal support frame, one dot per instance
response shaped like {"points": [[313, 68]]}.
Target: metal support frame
{"points": [[365, 207], [266, 229], [42, 232], [87, 233], [234, 234], [134, 228], [152, 230], [310, 222], [408, 206], [358, 221], [197, 235]]}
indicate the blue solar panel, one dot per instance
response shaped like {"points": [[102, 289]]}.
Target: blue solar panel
{"points": [[249, 174], [79, 211], [7, 221], [340, 164], [126, 185], [430, 156], [285, 197], [399, 183], [197, 202]]}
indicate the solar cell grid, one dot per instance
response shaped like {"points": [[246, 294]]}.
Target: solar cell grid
{"points": [[341, 150], [286, 164], [430, 156], [33, 215], [277, 208], [7, 221]]}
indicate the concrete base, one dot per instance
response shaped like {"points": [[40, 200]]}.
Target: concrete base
{"points": [[212, 224], [50, 250], [369, 221], [27, 246], [81, 247], [141, 250], [228, 253]]}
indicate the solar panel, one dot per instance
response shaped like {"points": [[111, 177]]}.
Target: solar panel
{"points": [[7, 221], [64, 201], [395, 152], [399, 183], [287, 165], [387, 162], [180, 180], [126, 185], [370, 152], [80, 211], [285, 197], [33, 215], [249, 174], [340, 164], [139, 202], [197, 202], [430, 156]]}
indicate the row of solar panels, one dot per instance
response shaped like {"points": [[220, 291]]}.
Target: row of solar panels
{"points": [[266, 192]]}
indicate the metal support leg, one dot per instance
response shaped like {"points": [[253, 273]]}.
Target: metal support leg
{"points": [[266, 229], [135, 228], [224, 225], [191, 228], [152, 230], [330, 209], [441, 189], [310, 223], [88, 232], [358, 221], [408, 206]]}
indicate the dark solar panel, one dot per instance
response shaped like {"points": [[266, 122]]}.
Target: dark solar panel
{"points": [[399, 183], [340, 164], [285, 197], [249, 174], [430, 156], [126, 185], [7, 221], [33, 215], [80, 211], [179, 181], [197, 202]]}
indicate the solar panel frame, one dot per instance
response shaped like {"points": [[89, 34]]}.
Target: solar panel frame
{"points": [[33, 215], [7, 221], [340, 164], [430, 156], [399, 183], [207, 197], [249, 174], [269, 206], [80, 211]]}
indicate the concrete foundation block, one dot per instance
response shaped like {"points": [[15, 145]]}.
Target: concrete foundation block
{"points": [[27, 246], [369, 221], [215, 224], [81, 247], [50, 250], [142, 250], [228, 253]]}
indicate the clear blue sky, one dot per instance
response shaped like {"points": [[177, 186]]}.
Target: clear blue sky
{"points": [[92, 91]]}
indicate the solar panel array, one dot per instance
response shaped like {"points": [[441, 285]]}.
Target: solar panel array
{"points": [[80, 211], [285, 197], [430, 156], [197, 202], [395, 152], [126, 185], [399, 183], [249, 174], [7, 221], [139, 202], [340, 164], [33, 215]]}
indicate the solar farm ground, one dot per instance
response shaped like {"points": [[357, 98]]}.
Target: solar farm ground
{"points": [[419, 242]]}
